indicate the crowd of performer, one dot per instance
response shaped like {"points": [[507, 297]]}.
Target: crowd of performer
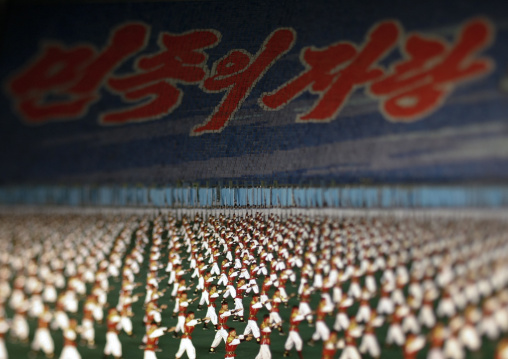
{"points": [[361, 286]]}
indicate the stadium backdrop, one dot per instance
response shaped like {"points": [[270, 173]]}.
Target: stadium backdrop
{"points": [[208, 103]]}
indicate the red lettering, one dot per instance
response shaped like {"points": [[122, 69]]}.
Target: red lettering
{"points": [[237, 73], [419, 84], [333, 73], [62, 83], [182, 60]]}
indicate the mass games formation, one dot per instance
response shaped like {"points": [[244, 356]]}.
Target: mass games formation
{"points": [[253, 285]]}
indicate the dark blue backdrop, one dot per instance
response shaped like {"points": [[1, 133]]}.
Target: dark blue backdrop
{"points": [[465, 140]]}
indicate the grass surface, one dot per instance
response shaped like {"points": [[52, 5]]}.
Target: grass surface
{"points": [[203, 338]]}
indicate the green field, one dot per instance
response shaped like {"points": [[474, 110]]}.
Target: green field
{"points": [[203, 338]]}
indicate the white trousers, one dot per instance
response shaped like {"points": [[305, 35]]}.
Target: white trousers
{"points": [[36, 306], [253, 285], [174, 291], [370, 345], [98, 314], [350, 352], [295, 340], [20, 327], [488, 327], [223, 280], [70, 352], [215, 269], [239, 305], [230, 291], [149, 354], [435, 353], [427, 317], [252, 327], [385, 306], [210, 313], [322, 332], [341, 322], [370, 284], [61, 320], [395, 335], [275, 318], [263, 298], [126, 323], [221, 334], [43, 341], [264, 352], [453, 349], [410, 324], [3, 350], [469, 338], [88, 331], [446, 308], [363, 314], [179, 324], [113, 345], [204, 298], [186, 346], [355, 291], [49, 295]]}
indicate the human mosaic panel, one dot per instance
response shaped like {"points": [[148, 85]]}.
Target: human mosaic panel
{"points": [[413, 88], [252, 285]]}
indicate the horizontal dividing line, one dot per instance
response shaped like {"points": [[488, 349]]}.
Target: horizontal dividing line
{"points": [[345, 197], [436, 213]]}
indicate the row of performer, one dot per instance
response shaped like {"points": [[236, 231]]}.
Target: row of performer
{"points": [[414, 285]]}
